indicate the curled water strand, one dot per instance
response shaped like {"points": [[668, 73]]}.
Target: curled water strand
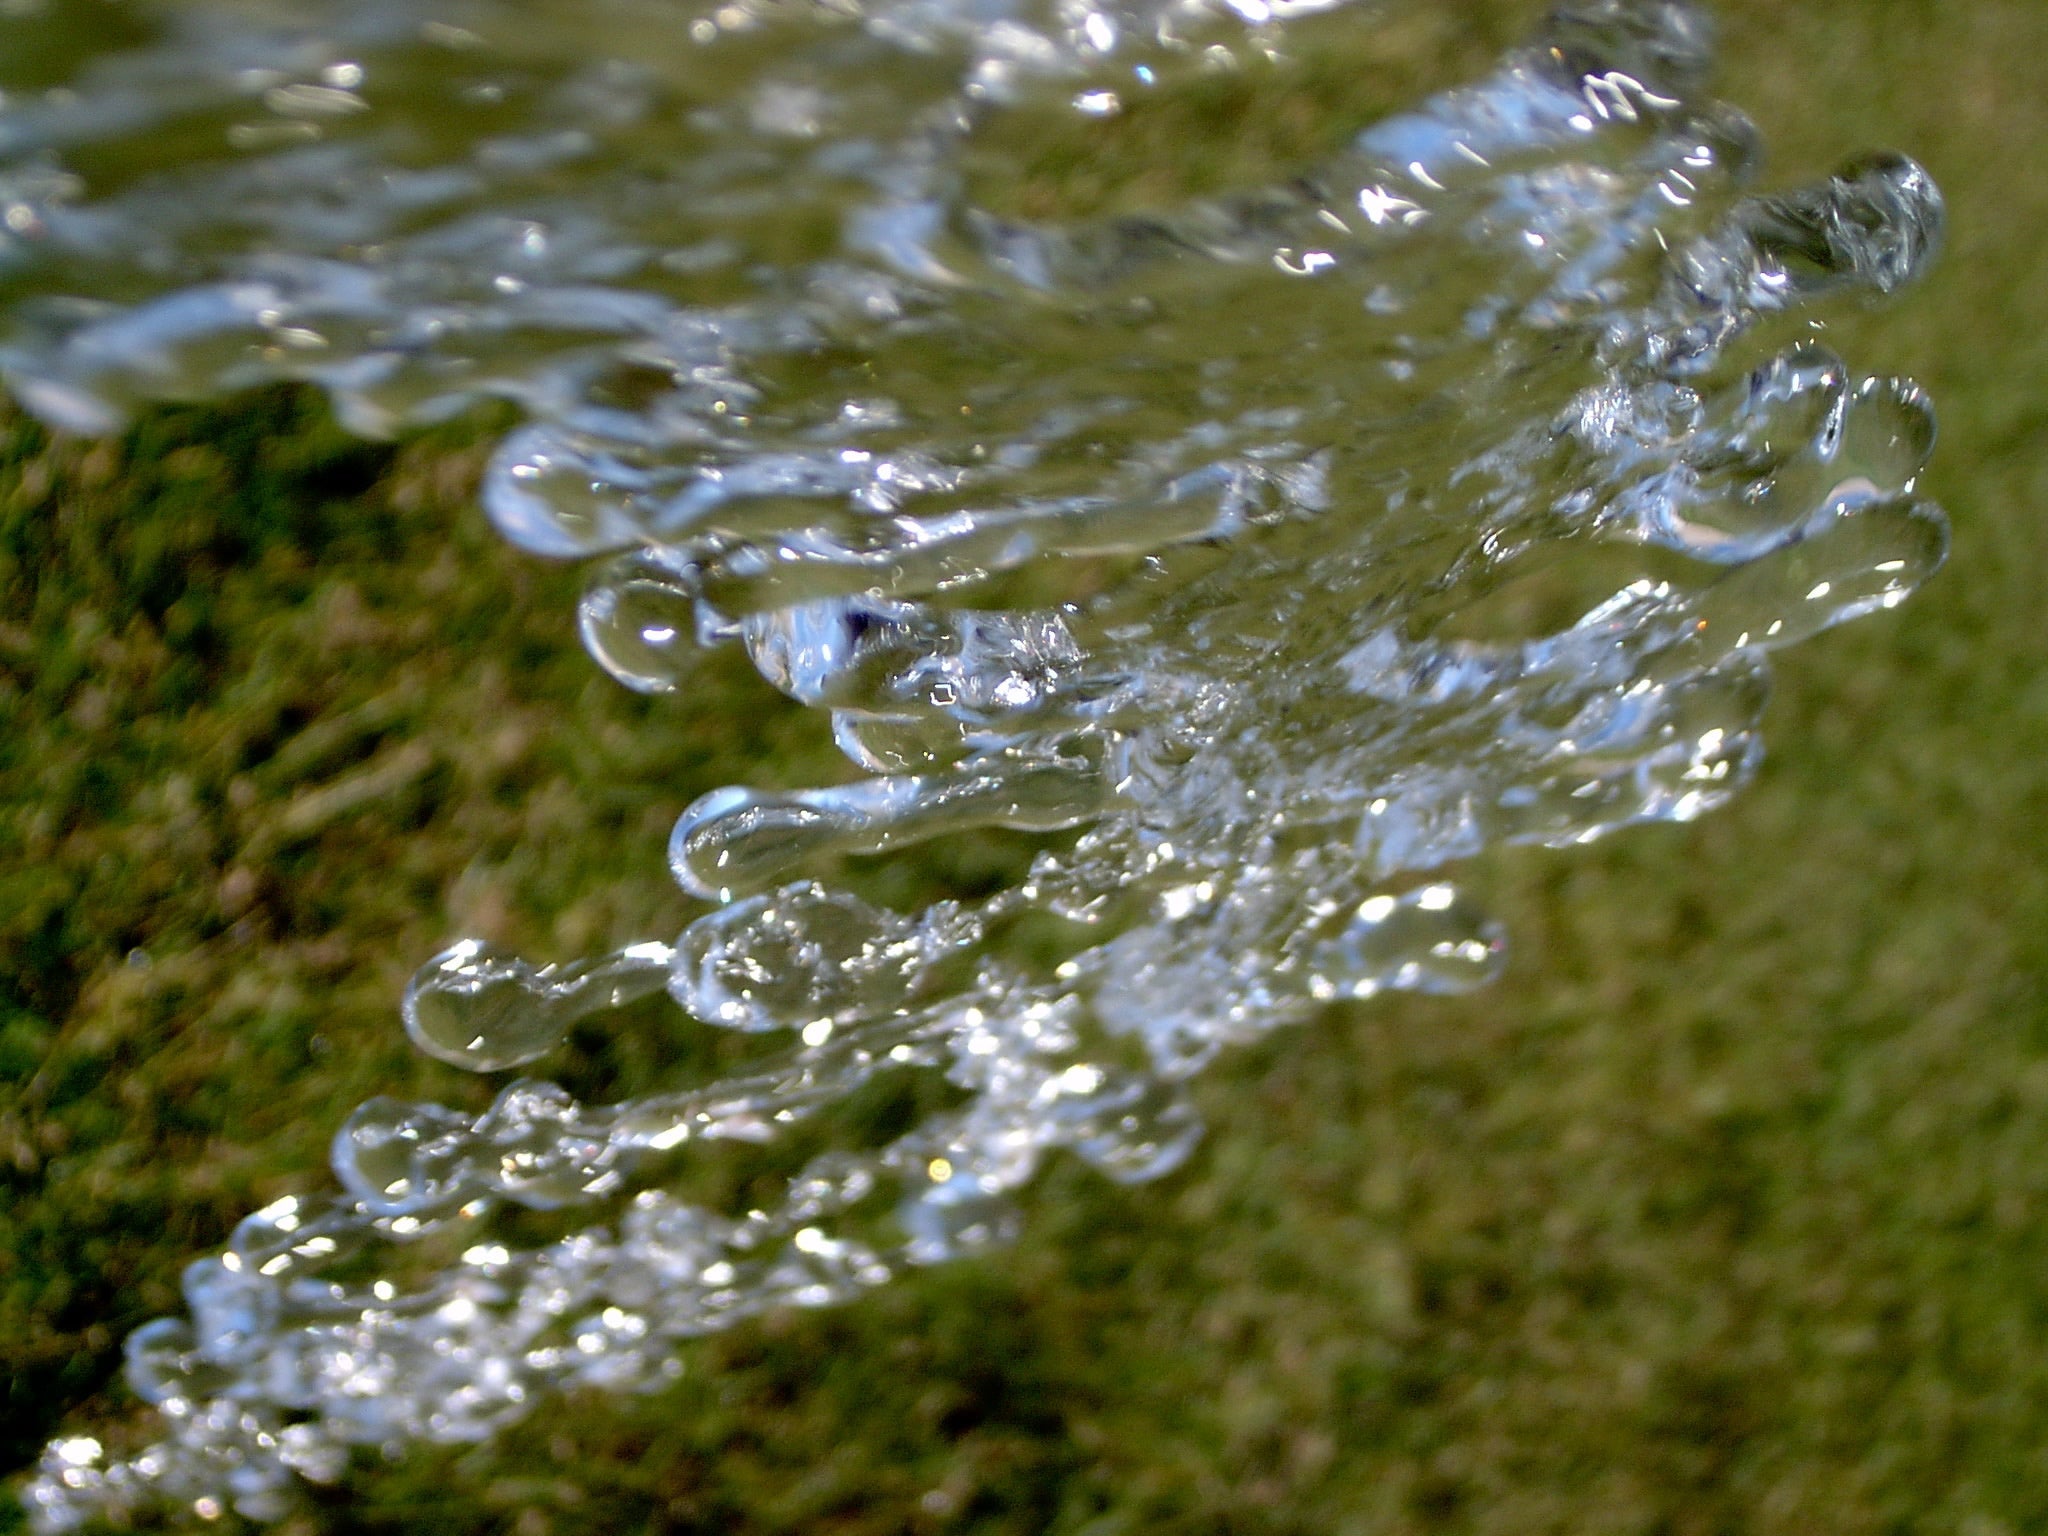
{"points": [[1262, 556]]}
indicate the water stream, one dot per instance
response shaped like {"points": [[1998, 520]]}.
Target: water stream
{"points": [[1264, 554]]}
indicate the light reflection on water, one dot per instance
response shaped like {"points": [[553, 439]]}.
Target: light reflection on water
{"points": [[1265, 553]]}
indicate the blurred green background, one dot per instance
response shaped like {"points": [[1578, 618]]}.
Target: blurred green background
{"points": [[1727, 1211]]}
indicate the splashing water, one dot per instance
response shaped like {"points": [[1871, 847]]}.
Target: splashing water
{"points": [[1265, 555]]}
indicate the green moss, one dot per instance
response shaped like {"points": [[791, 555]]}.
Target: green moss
{"points": [[280, 717]]}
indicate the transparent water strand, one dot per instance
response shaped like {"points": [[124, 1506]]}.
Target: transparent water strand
{"points": [[1265, 556], [414, 212], [485, 1013]]}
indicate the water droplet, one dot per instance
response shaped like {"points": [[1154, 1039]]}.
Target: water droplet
{"points": [[638, 620], [476, 1009], [1433, 939]]}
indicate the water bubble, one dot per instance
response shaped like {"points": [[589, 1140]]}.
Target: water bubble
{"points": [[638, 620], [1433, 939], [1666, 43], [1869, 557], [164, 1363], [404, 1160], [1873, 227], [547, 496], [1134, 1129], [805, 955], [482, 1011], [739, 841]]}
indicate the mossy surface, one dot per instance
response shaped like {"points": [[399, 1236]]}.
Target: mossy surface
{"points": [[1727, 1211]]}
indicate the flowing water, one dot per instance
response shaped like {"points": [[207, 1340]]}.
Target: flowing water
{"points": [[1261, 555]]}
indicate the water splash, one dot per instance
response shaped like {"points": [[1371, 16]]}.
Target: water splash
{"points": [[1264, 556]]}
